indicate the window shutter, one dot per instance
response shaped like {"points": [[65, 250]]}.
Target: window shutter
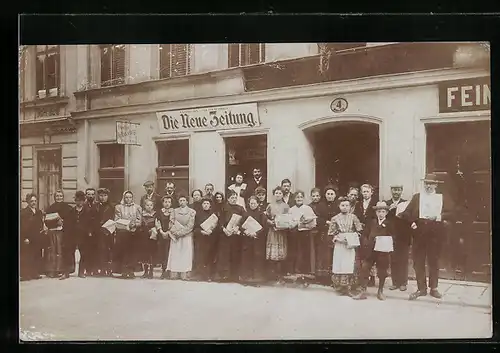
{"points": [[180, 59], [105, 65], [118, 64], [39, 72], [51, 70], [253, 53], [234, 55], [165, 63]]}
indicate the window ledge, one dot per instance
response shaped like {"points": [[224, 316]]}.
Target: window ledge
{"points": [[191, 78], [42, 102]]}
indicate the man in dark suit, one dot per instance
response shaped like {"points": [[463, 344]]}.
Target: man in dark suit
{"points": [[32, 227], [402, 239], [90, 206], [288, 197], [170, 191], [365, 212], [150, 194], [257, 181], [106, 212], [428, 212]]}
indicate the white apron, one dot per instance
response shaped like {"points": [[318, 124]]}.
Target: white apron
{"points": [[343, 259]]}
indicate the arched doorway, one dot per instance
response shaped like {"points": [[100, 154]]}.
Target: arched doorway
{"points": [[347, 152]]}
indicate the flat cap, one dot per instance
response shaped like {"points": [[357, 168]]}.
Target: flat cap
{"points": [[148, 183]]}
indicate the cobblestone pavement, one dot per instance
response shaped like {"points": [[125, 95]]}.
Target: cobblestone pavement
{"points": [[115, 309]]}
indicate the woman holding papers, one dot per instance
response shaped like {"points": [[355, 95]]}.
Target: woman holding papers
{"points": [[54, 220], [228, 252], [253, 244], [180, 256], [204, 240], [279, 222], [345, 228], [128, 216], [299, 242], [162, 224]]}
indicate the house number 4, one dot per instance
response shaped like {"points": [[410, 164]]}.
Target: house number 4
{"points": [[339, 105]]}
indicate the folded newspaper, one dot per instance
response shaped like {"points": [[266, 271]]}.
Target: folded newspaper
{"points": [[352, 240], [110, 226], [123, 224], [251, 225], [210, 223], [384, 244], [233, 222], [52, 216], [283, 221]]}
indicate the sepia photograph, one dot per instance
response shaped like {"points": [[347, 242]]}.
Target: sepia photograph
{"points": [[255, 191]]}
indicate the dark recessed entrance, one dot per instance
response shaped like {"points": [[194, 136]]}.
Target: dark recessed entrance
{"points": [[347, 153]]}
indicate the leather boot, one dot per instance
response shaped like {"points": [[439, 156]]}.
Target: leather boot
{"points": [[145, 275]]}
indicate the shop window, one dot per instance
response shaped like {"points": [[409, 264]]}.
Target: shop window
{"points": [[173, 165], [175, 60], [49, 175], [246, 54], [112, 65], [112, 170], [47, 70]]}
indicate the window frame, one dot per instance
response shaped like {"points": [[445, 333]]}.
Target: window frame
{"points": [[244, 49], [54, 50], [113, 79], [180, 173], [162, 74]]}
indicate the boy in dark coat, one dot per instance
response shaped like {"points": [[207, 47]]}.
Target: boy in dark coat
{"points": [[376, 230]]}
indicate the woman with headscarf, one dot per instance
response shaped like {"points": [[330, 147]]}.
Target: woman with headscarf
{"points": [[127, 210], [180, 256], [55, 234]]}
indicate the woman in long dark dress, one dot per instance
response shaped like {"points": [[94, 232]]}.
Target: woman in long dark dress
{"points": [[229, 248], [203, 242], [196, 195], [163, 225], [56, 234]]}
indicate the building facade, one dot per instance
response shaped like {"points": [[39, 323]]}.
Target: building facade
{"points": [[350, 113]]}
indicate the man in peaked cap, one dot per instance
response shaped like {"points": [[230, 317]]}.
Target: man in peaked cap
{"points": [[149, 186], [427, 213]]}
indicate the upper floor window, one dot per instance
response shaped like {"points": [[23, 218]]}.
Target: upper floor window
{"points": [[47, 70], [175, 60], [112, 64], [242, 54]]}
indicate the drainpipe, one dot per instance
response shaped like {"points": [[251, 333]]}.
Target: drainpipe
{"points": [[86, 148]]}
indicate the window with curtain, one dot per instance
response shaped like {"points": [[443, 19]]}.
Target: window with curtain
{"points": [[47, 70], [112, 65], [112, 170], [175, 60], [242, 54]]}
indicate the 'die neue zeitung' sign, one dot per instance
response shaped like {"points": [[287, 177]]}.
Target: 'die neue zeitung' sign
{"points": [[210, 118]]}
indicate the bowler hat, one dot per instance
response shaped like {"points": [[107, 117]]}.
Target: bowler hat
{"points": [[432, 179], [381, 205], [148, 183]]}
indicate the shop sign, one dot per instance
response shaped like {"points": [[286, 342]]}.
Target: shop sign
{"points": [[465, 95], [210, 118], [126, 133]]}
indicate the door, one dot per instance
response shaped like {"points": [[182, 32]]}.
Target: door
{"points": [[49, 175]]}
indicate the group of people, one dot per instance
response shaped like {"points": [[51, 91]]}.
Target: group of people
{"points": [[240, 236]]}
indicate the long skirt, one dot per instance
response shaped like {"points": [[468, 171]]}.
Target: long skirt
{"points": [[205, 252], [276, 246], [253, 257], [228, 256], [343, 265], [323, 251], [299, 252], [54, 251], [180, 255]]}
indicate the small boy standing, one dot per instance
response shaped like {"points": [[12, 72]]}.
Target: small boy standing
{"points": [[377, 246]]}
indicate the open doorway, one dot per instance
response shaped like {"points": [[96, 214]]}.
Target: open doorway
{"points": [[243, 154], [347, 154]]}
